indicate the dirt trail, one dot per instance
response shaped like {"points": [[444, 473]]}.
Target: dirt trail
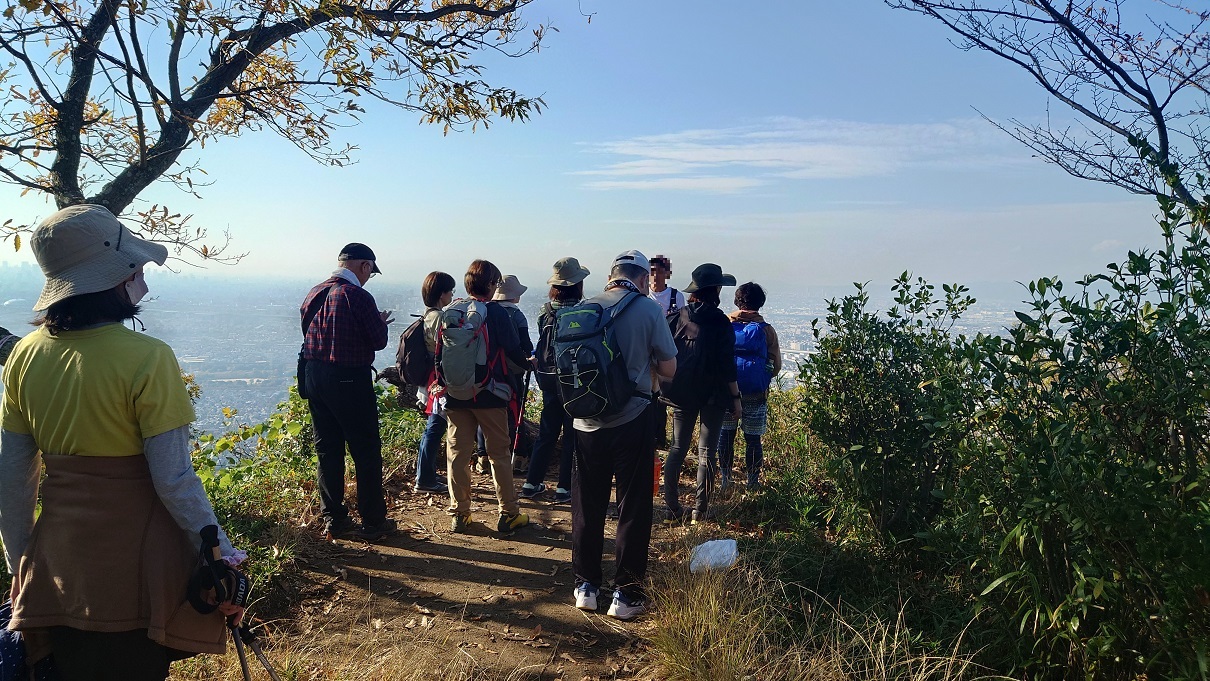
{"points": [[505, 601]]}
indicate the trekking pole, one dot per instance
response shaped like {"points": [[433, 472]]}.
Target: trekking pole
{"points": [[521, 412], [239, 650], [250, 639], [521, 416], [223, 583]]}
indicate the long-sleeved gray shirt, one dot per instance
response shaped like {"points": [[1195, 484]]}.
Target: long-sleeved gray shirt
{"points": [[171, 473]]}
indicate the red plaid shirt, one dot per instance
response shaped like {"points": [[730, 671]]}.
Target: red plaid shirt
{"points": [[347, 330]]}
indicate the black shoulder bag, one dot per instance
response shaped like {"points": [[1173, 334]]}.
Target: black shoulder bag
{"points": [[309, 317]]}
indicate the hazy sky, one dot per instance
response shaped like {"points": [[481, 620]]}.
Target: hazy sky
{"points": [[818, 141]]}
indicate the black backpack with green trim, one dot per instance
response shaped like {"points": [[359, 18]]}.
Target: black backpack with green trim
{"points": [[592, 375]]}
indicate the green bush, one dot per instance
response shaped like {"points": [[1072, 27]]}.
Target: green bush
{"points": [[891, 396], [1087, 491], [1071, 456]]}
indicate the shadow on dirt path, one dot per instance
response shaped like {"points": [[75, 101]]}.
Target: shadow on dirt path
{"points": [[504, 601]]}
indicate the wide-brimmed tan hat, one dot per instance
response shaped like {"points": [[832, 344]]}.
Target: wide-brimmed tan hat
{"points": [[707, 275], [510, 287], [568, 272], [84, 249]]}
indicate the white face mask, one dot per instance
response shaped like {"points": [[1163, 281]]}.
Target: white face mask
{"points": [[136, 288]]}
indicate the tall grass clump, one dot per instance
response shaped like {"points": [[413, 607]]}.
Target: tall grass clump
{"points": [[738, 625]]}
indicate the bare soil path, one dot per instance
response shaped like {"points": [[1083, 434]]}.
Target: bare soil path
{"points": [[504, 602]]}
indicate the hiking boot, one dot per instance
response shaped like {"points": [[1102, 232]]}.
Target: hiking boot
{"points": [[461, 522], [509, 523], [675, 516], [528, 492], [626, 608], [562, 496], [376, 531], [753, 485], [586, 597], [520, 464], [724, 483], [336, 527], [700, 517], [435, 488], [483, 465]]}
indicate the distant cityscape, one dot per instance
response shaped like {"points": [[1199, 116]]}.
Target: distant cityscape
{"points": [[240, 340]]}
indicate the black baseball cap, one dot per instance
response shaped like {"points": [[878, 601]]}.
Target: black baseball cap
{"points": [[356, 251]]}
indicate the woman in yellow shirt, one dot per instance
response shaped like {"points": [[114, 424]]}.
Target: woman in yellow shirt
{"points": [[100, 577]]}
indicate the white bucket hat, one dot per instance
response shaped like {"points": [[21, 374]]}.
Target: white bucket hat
{"points": [[84, 249], [510, 287]]}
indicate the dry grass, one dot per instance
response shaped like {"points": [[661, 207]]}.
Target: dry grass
{"points": [[359, 654], [731, 626]]}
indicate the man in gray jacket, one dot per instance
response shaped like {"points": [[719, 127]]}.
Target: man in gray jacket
{"points": [[621, 446]]}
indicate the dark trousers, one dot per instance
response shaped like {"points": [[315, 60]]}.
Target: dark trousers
{"points": [[683, 420], [108, 656], [754, 455], [661, 426], [344, 411], [625, 453], [430, 451], [554, 421]]}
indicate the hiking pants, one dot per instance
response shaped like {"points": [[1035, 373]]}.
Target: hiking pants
{"points": [[430, 449], [661, 425], [344, 411], [109, 656], [625, 453], [554, 420], [754, 455], [460, 446], [683, 420]]}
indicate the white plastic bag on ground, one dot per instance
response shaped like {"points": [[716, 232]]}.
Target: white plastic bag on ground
{"points": [[718, 554]]}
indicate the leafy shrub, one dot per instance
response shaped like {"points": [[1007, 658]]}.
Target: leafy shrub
{"points": [[1072, 454], [891, 395], [1092, 493]]}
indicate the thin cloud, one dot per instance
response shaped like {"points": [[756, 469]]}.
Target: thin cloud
{"points": [[781, 149], [717, 185]]}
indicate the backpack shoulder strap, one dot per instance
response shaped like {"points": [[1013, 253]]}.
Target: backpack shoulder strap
{"points": [[620, 307], [316, 304], [672, 306]]}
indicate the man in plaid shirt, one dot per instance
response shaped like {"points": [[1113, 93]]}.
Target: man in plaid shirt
{"points": [[342, 329]]}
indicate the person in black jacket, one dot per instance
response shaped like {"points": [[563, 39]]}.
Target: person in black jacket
{"points": [[566, 290], [704, 387]]}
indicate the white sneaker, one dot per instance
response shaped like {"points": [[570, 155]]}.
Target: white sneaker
{"points": [[586, 597], [624, 608]]}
